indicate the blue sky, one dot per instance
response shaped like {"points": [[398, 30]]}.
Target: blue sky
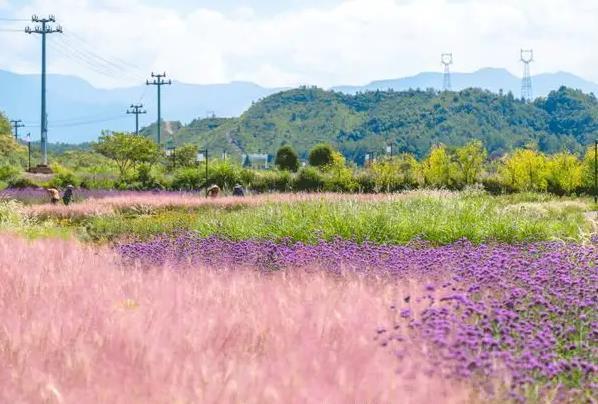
{"points": [[290, 42]]}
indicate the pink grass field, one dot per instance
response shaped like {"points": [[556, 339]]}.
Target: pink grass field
{"points": [[78, 327], [147, 201]]}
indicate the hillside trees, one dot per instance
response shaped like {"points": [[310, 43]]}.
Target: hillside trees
{"points": [[412, 120]]}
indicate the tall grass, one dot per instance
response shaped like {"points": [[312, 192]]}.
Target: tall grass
{"points": [[77, 326], [439, 218]]}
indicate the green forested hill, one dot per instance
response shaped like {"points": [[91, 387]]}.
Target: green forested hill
{"points": [[411, 120]]}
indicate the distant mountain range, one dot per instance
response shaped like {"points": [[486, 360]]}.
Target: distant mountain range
{"points": [[78, 112], [491, 79]]}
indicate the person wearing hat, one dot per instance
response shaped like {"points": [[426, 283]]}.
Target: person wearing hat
{"points": [[54, 195], [238, 190], [68, 195], [213, 191]]}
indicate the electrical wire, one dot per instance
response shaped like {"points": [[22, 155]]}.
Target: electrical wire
{"points": [[83, 121], [115, 61], [85, 60]]}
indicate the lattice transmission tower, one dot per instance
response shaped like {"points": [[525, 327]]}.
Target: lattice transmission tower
{"points": [[447, 60], [527, 57]]}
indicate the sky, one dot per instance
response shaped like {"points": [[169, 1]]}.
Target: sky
{"points": [[280, 43]]}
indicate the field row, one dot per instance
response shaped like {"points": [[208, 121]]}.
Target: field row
{"points": [[191, 319], [437, 216]]}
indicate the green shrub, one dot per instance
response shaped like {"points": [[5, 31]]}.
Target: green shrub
{"points": [[63, 177], [287, 159], [366, 182], [309, 179], [267, 181], [8, 172], [224, 174], [188, 179], [21, 183], [321, 156]]}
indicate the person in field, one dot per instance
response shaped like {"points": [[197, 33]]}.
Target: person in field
{"points": [[67, 197], [54, 195], [213, 191], [238, 190]]}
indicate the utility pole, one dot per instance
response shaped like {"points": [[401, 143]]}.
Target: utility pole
{"points": [[203, 154], [136, 109], [158, 81], [28, 140], [17, 124], [43, 28]]}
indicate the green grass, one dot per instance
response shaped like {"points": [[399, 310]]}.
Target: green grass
{"points": [[479, 218]]}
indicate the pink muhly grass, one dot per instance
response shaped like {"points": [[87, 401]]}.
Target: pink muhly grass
{"points": [[78, 326], [144, 202]]}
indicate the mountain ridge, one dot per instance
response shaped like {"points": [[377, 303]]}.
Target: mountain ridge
{"points": [[78, 111]]}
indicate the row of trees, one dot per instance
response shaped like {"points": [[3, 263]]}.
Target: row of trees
{"points": [[129, 161], [455, 168], [327, 170]]}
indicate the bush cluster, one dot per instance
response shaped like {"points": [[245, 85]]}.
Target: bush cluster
{"points": [[522, 170]]}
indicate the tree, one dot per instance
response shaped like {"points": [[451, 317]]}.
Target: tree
{"points": [[470, 159], [438, 169], [287, 159], [589, 168], [186, 155], [10, 150], [525, 170], [321, 156], [393, 174], [127, 150], [565, 173]]}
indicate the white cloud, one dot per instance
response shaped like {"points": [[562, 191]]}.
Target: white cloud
{"points": [[354, 42]]}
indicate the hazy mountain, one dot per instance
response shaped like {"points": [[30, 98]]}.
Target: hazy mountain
{"points": [[491, 79], [78, 112]]}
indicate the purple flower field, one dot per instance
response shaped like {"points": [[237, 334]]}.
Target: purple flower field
{"points": [[525, 314]]}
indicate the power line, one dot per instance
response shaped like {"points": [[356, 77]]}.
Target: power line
{"points": [[74, 123], [116, 65], [84, 123], [96, 64], [115, 60], [15, 19]]}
